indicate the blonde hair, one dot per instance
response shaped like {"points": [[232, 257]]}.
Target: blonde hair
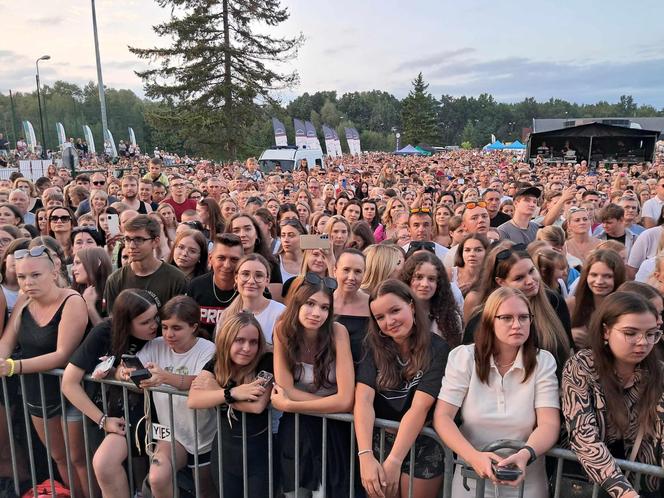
{"points": [[382, 260], [225, 333], [387, 218]]}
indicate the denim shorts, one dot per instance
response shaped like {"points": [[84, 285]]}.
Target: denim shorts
{"points": [[429, 455]]}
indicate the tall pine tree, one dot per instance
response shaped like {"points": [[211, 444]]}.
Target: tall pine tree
{"points": [[221, 63], [419, 114]]}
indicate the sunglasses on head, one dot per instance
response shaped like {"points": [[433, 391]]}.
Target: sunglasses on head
{"points": [[34, 252], [474, 204], [328, 282], [506, 253], [420, 210]]}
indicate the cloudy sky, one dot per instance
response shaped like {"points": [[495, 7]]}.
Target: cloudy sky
{"points": [[581, 51]]}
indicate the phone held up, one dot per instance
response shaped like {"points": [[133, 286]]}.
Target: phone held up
{"points": [[141, 373]]}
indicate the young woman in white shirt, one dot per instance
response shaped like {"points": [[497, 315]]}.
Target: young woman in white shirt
{"points": [[505, 388]]}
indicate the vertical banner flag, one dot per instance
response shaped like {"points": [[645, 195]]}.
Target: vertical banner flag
{"points": [[280, 137], [356, 137], [62, 138], [132, 136], [300, 133], [87, 133], [350, 139], [329, 141], [312, 136], [29, 132], [109, 144], [337, 143]]}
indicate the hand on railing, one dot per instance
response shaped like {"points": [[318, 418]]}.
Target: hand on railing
{"points": [[114, 425], [481, 464], [279, 398], [249, 392], [520, 459], [372, 475]]}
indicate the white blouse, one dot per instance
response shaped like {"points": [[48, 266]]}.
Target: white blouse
{"points": [[503, 408]]}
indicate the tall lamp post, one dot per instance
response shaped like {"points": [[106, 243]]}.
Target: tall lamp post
{"points": [[41, 116]]}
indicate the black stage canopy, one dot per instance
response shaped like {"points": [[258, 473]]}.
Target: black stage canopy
{"points": [[594, 142]]}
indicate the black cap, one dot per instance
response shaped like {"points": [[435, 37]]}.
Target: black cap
{"points": [[528, 192]]}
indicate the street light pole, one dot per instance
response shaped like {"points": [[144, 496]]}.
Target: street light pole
{"points": [[100, 80], [41, 116]]}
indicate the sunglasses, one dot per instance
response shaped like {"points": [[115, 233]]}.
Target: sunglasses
{"points": [[328, 282], [102, 182], [420, 210], [418, 245], [474, 204], [64, 218], [35, 252]]}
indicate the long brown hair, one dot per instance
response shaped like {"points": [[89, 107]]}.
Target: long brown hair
{"points": [[551, 334], [485, 337], [651, 385], [237, 305], [224, 368], [129, 304], [291, 333], [385, 351], [584, 306]]}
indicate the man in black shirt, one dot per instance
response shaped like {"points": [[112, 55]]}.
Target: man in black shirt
{"points": [[492, 198], [215, 290]]}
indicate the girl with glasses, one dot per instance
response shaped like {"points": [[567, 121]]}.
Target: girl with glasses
{"points": [[614, 395], [251, 277], [313, 369], [504, 359], [61, 222]]}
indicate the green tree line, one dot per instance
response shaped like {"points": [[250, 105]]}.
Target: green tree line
{"points": [[419, 117]]}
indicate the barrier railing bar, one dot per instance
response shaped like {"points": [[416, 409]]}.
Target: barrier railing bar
{"points": [[245, 468], [297, 455], [10, 433], [31, 454], [270, 456], [324, 457], [351, 473], [221, 455], [559, 476], [47, 438], [65, 433], [411, 471], [174, 473], [197, 482], [130, 460]]}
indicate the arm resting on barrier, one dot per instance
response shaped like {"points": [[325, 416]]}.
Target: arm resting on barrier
{"points": [[371, 471], [73, 390], [205, 392], [10, 332]]}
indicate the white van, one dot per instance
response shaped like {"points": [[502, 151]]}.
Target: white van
{"points": [[289, 157]]}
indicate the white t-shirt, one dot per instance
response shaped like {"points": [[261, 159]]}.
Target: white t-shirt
{"points": [[652, 208], [449, 258], [646, 270], [645, 246], [189, 363], [502, 408], [268, 318]]}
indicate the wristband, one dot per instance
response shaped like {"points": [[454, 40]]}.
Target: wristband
{"points": [[102, 422], [11, 364], [362, 452], [533, 455], [228, 397]]}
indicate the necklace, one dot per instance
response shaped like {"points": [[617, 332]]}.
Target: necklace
{"points": [[505, 365], [401, 362], [214, 291]]}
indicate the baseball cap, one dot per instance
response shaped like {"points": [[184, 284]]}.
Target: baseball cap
{"points": [[528, 192]]}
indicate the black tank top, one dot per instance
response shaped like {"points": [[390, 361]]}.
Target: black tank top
{"points": [[36, 341]]}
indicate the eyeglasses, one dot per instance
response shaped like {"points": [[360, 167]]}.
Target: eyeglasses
{"points": [[62, 219], [420, 210], [136, 241], [313, 279], [35, 252], [100, 182], [633, 337], [474, 204], [509, 319], [245, 276]]}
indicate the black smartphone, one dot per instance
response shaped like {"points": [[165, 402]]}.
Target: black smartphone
{"points": [[138, 375], [506, 473], [132, 361]]}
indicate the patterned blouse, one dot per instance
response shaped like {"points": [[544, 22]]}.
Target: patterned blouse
{"points": [[591, 432]]}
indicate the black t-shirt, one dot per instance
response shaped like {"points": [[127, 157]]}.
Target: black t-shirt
{"points": [[392, 404], [275, 273], [499, 219], [256, 423], [211, 299], [620, 239], [98, 344]]}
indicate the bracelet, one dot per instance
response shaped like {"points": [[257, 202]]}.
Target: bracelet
{"points": [[533, 455], [102, 422], [11, 364], [362, 452], [228, 396]]}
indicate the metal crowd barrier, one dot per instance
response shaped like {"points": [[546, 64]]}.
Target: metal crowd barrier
{"points": [[192, 486]]}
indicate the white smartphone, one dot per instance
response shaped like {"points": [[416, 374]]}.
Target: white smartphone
{"points": [[113, 225]]}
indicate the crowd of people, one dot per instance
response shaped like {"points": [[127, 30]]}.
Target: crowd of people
{"points": [[470, 292]]}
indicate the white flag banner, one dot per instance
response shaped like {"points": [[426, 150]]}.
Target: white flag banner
{"points": [[87, 132], [132, 136], [300, 132], [109, 144], [280, 137], [62, 137], [30, 135]]}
